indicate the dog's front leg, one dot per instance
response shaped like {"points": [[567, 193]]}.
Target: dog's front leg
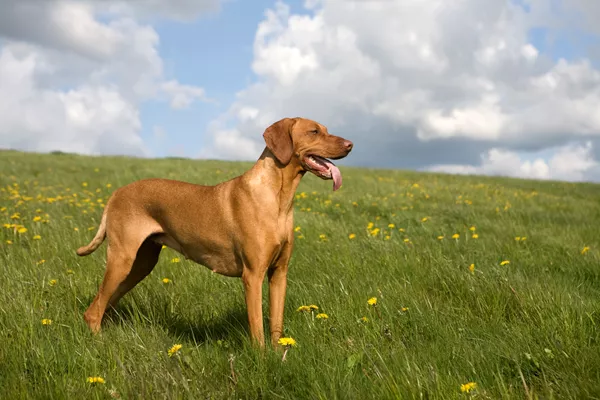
{"points": [[253, 280], [277, 288]]}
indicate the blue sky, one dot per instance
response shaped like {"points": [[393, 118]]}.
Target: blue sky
{"points": [[213, 52], [467, 87]]}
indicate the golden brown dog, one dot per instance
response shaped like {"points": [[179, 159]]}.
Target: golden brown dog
{"points": [[241, 228]]}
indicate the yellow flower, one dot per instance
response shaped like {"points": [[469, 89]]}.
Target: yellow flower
{"points": [[312, 307], [467, 387], [424, 219], [472, 229], [370, 225], [15, 216], [372, 301], [472, 268], [37, 218], [505, 262], [300, 236], [401, 230], [518, 238], [404, 309], [70, 272], [174, 349], [95, 379], [108, 185], [354, 203], [37, 237], [352, 236], [374, 232], [585, 250], [440, 237], [166, 280], [523, 238], [41, 262], [175, 260], [387, 237], [296, 229], [364, 319], [52, 282], [22, 229], [323, 237], [475, 236], [303, 309], [9, 242], [286, 341], [391, 226], [455, 236], [84, 184], [322, 316], [46, 321]]}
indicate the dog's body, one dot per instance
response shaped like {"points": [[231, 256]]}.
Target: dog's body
{"points": [[241, 228]]}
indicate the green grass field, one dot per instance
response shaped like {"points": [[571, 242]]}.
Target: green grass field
{"points": [[450, 310]]}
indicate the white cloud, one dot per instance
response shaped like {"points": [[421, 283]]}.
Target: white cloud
{"points": [[417, 83], [74, 79], [570, 162]]}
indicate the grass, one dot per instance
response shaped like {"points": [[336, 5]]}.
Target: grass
{"points": [[526, 329]]}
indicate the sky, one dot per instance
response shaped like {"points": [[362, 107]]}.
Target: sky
{"points": [[494, 87]]}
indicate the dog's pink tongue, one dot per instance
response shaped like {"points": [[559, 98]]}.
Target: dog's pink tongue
{"points": [[335, 174]]}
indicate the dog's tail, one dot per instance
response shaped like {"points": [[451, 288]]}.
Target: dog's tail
{"points": [[97, 240]]}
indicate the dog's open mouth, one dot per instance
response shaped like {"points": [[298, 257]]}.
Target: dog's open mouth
{"points": [[324, 168]]}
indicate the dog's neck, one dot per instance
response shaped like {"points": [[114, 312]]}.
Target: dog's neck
{"points": [[282, 179]]}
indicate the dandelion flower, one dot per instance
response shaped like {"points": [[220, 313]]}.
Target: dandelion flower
{"points": [[404, 309], [46, 321], [372, 301], [22, 230], [70, 272], [364, 319], [455, 236], [472, 229], [391, 226], [174, 349], [303, 309], [37, 237], [52, 282], [475, 236], [370, 225], [95, 379], [37, 218], [374, 232], [472, 268], [352, 236], [287, 341], [424, 219], [312, 307], [585, 250], [440, 237], [41, 262], [467, 387], [322, 316], [505, 262], [166, 280], [518, 238], [323, 237], [296, 229]]}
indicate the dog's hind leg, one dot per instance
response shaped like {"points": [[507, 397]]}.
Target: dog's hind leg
{"points": [[145, 261], [127, 263]]}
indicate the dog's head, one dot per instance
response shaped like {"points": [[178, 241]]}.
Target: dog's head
{"points": [[307, 144]]}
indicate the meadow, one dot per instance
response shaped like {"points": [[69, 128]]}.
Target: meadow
{"points": [[423, 286]]}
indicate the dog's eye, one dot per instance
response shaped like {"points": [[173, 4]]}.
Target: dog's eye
{"points": [[314, 131]]}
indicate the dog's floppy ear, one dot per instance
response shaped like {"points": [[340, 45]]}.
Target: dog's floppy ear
{"points": [[279, 139]]}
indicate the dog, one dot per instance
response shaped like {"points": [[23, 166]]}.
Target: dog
{"points": [[242, 227]]}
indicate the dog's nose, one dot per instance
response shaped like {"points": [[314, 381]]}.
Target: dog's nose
{"points": [[348, 145]]}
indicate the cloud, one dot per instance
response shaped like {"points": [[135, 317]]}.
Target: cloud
{"points": [[74, 80], [422, 83], [570, 163]]}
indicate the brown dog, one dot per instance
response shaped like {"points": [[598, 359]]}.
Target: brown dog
{"points": [[242, 227]]}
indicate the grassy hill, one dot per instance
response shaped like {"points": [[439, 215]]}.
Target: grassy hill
{"points": [[477, 279]]}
